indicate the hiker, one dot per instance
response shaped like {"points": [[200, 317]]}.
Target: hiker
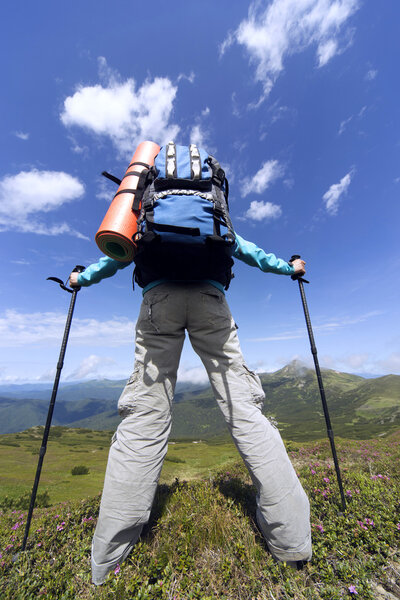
{"points": [[170, 307]]}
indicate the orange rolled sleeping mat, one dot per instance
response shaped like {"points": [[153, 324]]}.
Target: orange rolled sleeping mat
{"points": [[115, 234]]}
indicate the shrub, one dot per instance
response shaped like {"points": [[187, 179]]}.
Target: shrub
{"points": [[56, 432], [23, 502], [80, 470], [174, 459]]}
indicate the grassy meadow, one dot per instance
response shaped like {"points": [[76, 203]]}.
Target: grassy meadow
{"points": [[68, 448], [202, 541]]}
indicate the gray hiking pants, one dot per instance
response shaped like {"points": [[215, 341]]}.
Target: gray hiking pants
{"points": [[140, 442]]}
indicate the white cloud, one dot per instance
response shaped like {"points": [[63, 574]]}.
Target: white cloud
{"points": [[357, 361], [105, 189], [281, 28], [260, 211], [269, 172], [326, 51], [358, 116], [91, 367], [197, 375], [25, 197], [122, 112], [371, 74], [391, 363], [332, 197], [343, 125], [22, 261], [363, 364], [328, 327], [21, 135], [190, 78], [19, 329], [200, 134]]}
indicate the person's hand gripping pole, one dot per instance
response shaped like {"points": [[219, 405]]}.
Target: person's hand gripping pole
{"points": [[299, 267]]}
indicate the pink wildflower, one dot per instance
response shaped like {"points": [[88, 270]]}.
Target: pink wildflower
{"points": [[313, 472], [117, 570], [398, 526], [15, 527], [326, 479], [61, 526], [86, 520], [348, 493], [39, 544], [352, 589]]}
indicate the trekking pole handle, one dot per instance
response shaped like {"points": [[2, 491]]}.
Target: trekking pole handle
{"points": [[77, 269], [296, 277]]}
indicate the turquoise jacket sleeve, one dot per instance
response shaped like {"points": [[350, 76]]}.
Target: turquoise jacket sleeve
{"points": [[105, 267], [256, 257]]}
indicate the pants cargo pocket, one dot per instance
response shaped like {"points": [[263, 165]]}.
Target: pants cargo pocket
{"points": [[153, 312], [127, 400], [257, 393]]}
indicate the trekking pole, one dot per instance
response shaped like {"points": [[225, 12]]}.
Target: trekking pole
{"points": [[42, 452], [300, 281]]}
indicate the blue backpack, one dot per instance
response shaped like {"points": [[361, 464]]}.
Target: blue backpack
{"points": [[184, 229]]}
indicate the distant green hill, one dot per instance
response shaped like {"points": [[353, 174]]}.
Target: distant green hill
{"points": [[359, 408]]}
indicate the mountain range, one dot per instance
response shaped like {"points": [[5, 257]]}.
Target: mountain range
{"points": [[358, 407]]}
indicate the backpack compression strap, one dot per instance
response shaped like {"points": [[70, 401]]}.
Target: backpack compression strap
{"points": [[195, 164], [170, 161], [171, 171], [144, 176]]}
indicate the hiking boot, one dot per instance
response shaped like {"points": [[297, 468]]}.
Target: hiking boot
{"points": [[298, 565]]}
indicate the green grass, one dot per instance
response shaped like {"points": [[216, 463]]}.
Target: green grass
{"points": [[69, 448], [202, 541], [370, 408]]}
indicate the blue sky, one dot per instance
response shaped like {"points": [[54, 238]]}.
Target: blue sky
{"points": [[299, 101]]}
